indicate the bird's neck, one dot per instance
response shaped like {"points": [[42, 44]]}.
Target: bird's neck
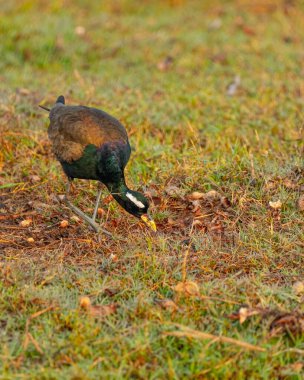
{"points": [[118, 189]]}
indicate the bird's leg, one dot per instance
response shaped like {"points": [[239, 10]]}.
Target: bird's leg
{"points": [[82, 215], [97, 203], [67, 189]]}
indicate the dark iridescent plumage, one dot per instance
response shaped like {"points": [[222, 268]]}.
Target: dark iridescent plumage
{"points": [[90, 144]]}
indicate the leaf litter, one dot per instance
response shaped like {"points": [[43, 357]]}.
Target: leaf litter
{"points": [[97, 311], [282, 322]]}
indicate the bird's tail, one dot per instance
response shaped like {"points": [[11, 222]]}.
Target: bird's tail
{"points": [[60, 100], [44, 108]]}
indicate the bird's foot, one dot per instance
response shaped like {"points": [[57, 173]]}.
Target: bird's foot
{"points": [[85, 217]]}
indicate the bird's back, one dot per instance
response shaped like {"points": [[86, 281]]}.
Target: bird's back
{"points": [[73, 128]]}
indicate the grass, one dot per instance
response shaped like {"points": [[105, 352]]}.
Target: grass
{"points": [[163, 69]]}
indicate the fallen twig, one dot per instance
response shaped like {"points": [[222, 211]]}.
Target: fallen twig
{"points": [[190, 333]]}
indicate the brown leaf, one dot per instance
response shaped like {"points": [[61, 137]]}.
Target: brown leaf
{"points": [[196, 222], [24, 91], [196, 195], [212, 195], [270, 185], [64, 224], [289, 183], [98, 311], [276, 205], [297, 367], [80, 30], [174, 191], [195, 206], [249, 31], [26, 222], [34, 178], [110, 292], [85, 302], [102, 310], [215, 24], [189, 288], [288, 322], [233, 86], [301, 203], [100, 211], [225, 202], [298, 287], [167, 304], [245, 312], [220, 58], [165, 64]]}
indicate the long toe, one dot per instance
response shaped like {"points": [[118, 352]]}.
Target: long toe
{"points": [[98, 229], [85, 217]]}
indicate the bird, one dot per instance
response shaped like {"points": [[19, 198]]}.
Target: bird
{"points": [[93, 145]]}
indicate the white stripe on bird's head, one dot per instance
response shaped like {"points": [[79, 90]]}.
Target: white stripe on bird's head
{"points": [[135, 200]]}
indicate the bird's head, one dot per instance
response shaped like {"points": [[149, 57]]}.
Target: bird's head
{"points": [[136, 204]]}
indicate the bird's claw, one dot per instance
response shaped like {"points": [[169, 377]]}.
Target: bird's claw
{"points": [[85, 217]]}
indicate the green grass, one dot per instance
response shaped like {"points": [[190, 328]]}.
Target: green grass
{"points": [[187, 135]]}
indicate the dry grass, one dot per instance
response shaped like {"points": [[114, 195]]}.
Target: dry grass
{"points": [[167, 80]]}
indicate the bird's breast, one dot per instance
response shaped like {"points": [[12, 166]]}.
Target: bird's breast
{"points": [[101, 163]]}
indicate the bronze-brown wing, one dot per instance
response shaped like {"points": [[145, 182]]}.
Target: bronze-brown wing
{"points": [[72, 128]]}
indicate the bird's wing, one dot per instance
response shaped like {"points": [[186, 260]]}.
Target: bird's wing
{"points": [[72, 128]]}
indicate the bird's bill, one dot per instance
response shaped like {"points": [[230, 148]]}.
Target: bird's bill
{"points": [[149, 222]]}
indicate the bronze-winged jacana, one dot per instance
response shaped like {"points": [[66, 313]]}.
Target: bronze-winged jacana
{"points": [[91, 144]]}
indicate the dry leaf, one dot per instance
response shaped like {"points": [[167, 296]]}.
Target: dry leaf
{"points": [[26, 222], [167, 304], [215, 24], [225, 202], [196, 195], [244, 312], [249, 31], [297, 367], [289, 184], [270, 185], [100, 211], [174, 191], [188, 287], [298, 287], [170, 221], [85, 302], [35, 178], [75, 218], [113, 257], [212, 195], [110, 292], [64, 224], [24, 91], [80, 30], [98, 311], [275, 204], [196, 206], [196, 222], [233, 86], [165, 64], [301, 203], [289, 322]]}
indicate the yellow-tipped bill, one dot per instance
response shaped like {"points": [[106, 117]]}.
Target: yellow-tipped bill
{"points": [[149, 222]]}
